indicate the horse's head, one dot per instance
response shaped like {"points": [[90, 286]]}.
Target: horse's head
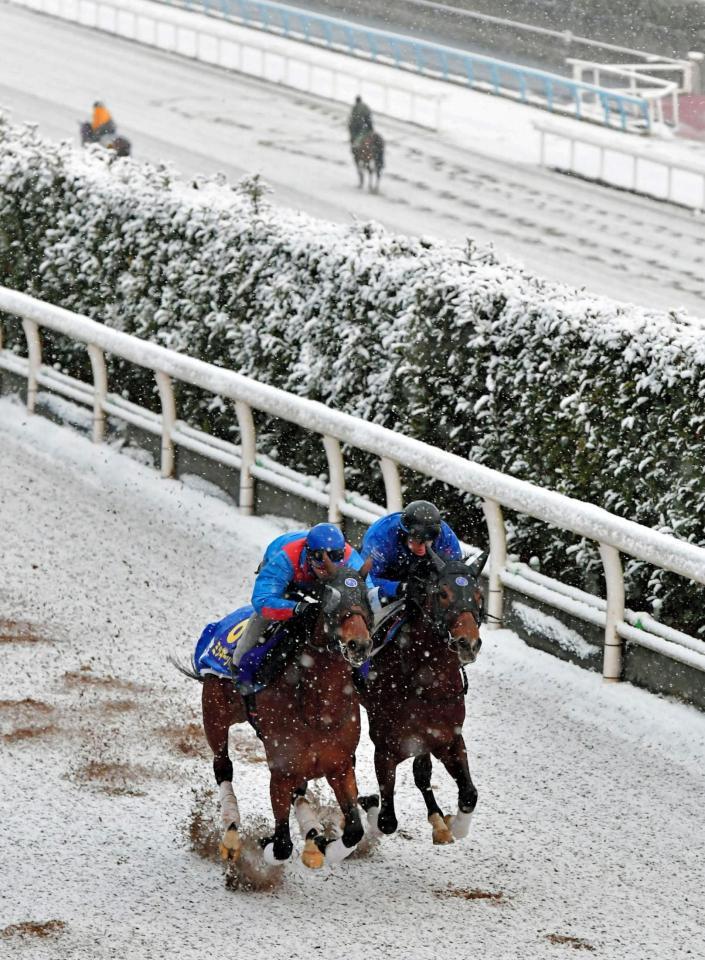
{"points": [[455, 605], [347, 615]]}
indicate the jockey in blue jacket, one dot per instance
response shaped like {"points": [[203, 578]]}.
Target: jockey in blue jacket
{"points": [[294, 561], [398, 544]]}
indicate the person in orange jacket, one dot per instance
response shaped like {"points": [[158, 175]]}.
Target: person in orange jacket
{"points": [[102, 123]]}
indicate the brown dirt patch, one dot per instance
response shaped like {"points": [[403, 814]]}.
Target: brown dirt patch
{"points": [[28, 733], [118, 706], [21, 631], [188, 740], [494, 896], [115, 779], [85, 678], [26, 706], [576, 942], [31, 928]]}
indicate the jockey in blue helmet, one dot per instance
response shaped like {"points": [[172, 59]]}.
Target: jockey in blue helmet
{"points": [[294, 561], [398, 545]]}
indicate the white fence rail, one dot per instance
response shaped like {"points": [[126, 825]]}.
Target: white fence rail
{"points": [[267, 57], [588, 154], [613, 534]]}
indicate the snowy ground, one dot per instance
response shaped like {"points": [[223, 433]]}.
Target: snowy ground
{"points": [[589, 824], [477, 177]]}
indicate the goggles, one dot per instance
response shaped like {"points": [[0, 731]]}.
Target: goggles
{"points": [[318, 556], [422, 534]]}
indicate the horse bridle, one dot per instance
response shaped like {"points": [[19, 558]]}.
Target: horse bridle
{"points": [[337, 606], [464, 599]]}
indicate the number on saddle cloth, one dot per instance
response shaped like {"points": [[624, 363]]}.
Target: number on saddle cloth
{"points": [[215, 647]]}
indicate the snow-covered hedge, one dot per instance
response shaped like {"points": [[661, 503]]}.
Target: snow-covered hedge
{"points": [[587, 397]]}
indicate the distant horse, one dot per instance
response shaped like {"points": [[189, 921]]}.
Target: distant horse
{"points": [[121, 145], [368, 154], [416, 702], [308, 718]]}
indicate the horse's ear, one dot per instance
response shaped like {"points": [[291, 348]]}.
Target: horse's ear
{"points": [[477, 565], [435, 559], [365, 568]]}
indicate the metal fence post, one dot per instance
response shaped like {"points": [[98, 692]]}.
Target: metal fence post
{"points": [[614, 583], [498, 559], [34, 355], [248, 453], [100, 390], [166, 395], [336, 472], [392, 484]]}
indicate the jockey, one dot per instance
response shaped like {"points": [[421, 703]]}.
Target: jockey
{"points": [[398, 545], [294, 561], [360, 119], [102, 123]]}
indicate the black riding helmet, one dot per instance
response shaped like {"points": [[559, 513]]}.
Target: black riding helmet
{"points": [[421, 520]]}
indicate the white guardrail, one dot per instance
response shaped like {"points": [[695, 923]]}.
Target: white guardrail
{"points": [[613, 534], [224, 44], [590, 155]]}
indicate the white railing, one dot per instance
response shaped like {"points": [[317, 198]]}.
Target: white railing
{"points": [[496, 490], [640, 79], [267, 57], [590, 155]]}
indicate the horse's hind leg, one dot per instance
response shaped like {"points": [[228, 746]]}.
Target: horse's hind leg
{"points": [[281, 791], [455, 759], [422, 779], [220, 711], [310, 827]]}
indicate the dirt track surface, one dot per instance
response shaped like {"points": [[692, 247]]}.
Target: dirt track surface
{"points": [[106, 797]]}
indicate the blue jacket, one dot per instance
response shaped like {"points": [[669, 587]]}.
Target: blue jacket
{"points": [[285, 566], [391, 558]]}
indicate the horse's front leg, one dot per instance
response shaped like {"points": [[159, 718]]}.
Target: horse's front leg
{"points": [[344, 786], [422, 779], [310, 827], [386, 770], [279, 847], [220, 710], [455, 759]]}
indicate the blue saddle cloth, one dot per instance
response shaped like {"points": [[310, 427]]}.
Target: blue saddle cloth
{"points": [[215, 647]]}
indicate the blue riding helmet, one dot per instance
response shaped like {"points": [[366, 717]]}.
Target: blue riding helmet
{"points": [[326, 536]]}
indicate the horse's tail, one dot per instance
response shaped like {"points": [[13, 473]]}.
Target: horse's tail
{"points": [[188, 671]]}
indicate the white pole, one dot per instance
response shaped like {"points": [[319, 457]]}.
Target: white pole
{"points": [[498, 559], [336, 494], [100, 390], [614, 583], [248, 447]]}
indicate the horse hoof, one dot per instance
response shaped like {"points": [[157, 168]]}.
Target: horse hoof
{"points": [[441, 832], [312, 857], [230, 844]]}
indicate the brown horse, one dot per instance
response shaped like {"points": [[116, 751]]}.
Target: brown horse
{"points": [[415, 695], [368, 154], [308, 718]]}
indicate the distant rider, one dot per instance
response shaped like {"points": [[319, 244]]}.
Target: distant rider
{"points": [[398, 546], [360, 119], [102, 123], [292, 562]]}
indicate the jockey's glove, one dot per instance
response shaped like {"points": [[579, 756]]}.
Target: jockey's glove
{"points": [[303, 605]]}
